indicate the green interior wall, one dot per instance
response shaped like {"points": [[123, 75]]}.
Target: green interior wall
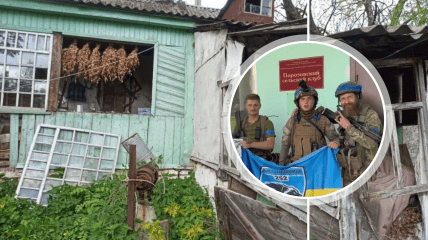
{"points": [[278, 105]]}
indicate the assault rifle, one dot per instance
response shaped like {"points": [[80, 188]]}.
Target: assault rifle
{"points": [[371, 133]]}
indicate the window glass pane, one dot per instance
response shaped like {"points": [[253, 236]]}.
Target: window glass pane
{"points": [[31, 42], [1, 56], [12, 57], [24, 100], [75, 161], [12, 71], [10, 85], [27, 72], [1, 72], [88, 176], [39, 101], [40, 86], [41, 73], [9, 99], [21, 40], [2, 37], [42, 60], [40, 42], [266, 3], [27, 58], [25, 85], [266, 11], [11, 37], [48, 43], [91, 163]]}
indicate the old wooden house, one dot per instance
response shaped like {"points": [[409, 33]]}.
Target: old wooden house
{"points": [[156, 100]]}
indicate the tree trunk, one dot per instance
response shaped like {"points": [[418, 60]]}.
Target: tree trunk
{"points": [[369, 11], [290, 10]]}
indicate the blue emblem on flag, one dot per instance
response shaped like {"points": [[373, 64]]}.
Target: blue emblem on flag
{"points": [[291, 181]]}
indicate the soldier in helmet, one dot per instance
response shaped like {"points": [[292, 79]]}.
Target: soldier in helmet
{"points": [[359, 149], [305, 132]]}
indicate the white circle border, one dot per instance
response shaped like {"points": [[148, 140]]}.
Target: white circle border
{"points": [[386, 103]]}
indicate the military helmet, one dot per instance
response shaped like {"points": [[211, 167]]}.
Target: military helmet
{"points": [[305, 90], [348, 87]]}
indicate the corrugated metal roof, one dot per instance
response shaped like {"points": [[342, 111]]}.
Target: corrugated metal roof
{"points": [[179, 9], [378, 30]]}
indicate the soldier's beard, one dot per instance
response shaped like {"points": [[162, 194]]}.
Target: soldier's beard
{"points": [[351, 110]]}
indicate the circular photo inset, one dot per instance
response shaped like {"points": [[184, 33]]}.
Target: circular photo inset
{"points": [[307, 119]]}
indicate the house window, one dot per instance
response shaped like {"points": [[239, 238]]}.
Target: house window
{"points": [[263, 7], [24, 69], [108, 93]]}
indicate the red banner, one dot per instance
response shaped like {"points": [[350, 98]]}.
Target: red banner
{"points": [[309, 69]]}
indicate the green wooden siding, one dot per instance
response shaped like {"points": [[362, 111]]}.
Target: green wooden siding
{"points": [[87, 27], [161, 134]]}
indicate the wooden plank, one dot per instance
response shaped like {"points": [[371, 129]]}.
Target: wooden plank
{"points": [[14, 139], [78, 120], [421, 188], [243, 219], [238, 187], [60, 119], [24, 129], [55, 72], [177, 140], [322, 225], [120, 126], [50, 119], [139, 124], [348, 221], [270, 222], [395, 150], [169, 140], [156, 135], [69, 119], [40, 119], [407, 105], [393, 62], [96, 122], [87, 121], [29, 135]]}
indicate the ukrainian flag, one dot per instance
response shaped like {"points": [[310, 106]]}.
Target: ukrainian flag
{"points": [[316, 174]]}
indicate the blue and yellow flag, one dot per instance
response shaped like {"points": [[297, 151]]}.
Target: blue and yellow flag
{"points": [[316, 174]]}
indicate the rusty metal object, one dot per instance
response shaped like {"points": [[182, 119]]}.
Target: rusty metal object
{"points": [[131, 188], [147, 175]]}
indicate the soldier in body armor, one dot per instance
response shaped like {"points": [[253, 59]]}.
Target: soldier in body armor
{"points": [[257, 130], [305, 131], [359, 149]]}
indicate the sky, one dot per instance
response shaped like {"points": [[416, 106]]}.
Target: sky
{"points": [[209, 3]]}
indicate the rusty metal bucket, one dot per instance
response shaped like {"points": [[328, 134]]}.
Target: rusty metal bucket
{"points": [[143, 152]]}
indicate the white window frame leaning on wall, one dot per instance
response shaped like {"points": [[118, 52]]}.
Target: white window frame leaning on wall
{"points": [[265, 8], [39, 52]]}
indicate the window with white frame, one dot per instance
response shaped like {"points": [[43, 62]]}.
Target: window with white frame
{"points": [[262, 7], [24, 69]]}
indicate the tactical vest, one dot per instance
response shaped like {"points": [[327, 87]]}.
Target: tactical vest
{"points": [[306, 138], [351, 159], [263, 120]]}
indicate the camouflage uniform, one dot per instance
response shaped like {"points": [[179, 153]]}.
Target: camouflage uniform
{"points": [[300, 135], [363, 149]]}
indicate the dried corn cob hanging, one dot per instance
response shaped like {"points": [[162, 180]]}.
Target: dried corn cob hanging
{"points": [[83, 60], [122, 67], [109, 63], [69, 59], [132, 61], [94, 74]]}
